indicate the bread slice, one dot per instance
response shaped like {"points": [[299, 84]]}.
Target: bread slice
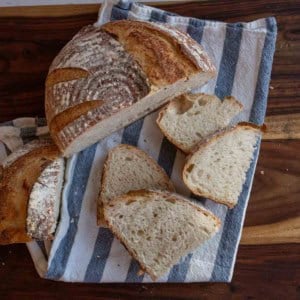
{"points": [[44, 202], [190, 118], [19, 172], [217, 168], [128, 168], [106, 78], [157, 228]]}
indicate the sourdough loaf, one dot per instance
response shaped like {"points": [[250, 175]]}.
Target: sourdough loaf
{"points": [[44, 202], [190, 118], [108, 77], [128, 168], [217, 168], [19, 172], [157, 228]]}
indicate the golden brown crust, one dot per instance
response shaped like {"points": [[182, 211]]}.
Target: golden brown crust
{"points": [[149, 159], [65, 74], [69, 115], [161, 55], [15, 187], [148, 193], [204, 144]]}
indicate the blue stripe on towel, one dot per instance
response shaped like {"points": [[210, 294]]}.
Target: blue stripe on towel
{"points": [[120, 11], [167, 155], [74, 201], [261, 92], [195, 29], [132, 275], [100, 255], [229, 60], [131, 133], [179, 271]]}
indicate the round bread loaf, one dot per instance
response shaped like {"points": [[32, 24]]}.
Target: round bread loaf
{"points": [[107, 77]]}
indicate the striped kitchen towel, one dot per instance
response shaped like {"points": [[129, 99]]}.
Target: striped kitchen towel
{"points": [[82, 252]]}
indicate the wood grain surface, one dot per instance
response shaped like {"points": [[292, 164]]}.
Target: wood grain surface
{"points": [[268, 262]]}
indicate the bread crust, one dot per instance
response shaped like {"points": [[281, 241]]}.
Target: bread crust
{"points": [[148, 193], [176, 54], [16, 183], [139, 152], [165, 109], [203, 144]]}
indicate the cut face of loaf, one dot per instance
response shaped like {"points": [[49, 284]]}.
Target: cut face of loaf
{"points": [[157, 228], [106, 78], [217, 169], [128, 168], [44, 202], [190, 118], [19, 173]]}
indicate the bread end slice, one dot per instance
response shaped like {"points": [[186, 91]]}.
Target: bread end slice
{"points": [[44, 202], [157, 228], [217, 168], [20, 171]]}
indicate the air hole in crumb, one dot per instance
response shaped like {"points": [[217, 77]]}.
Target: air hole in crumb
{"points": [[120, 216], [202, 102], [148, 238], [128, 158], [111, 205], [200, 173], [190, 168], [130, 202], [140, 232], [154, 215], [198, 134], [171, 200], [183, 106], [174, 238]]}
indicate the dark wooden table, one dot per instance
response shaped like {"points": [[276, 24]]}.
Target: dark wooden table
{"points": [[268, 262]]}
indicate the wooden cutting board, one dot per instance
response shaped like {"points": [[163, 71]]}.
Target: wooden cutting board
{"points": [[268, 263]]}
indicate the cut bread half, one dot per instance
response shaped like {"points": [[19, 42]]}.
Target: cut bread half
{"points": [[217, 168], [19, 173], [190, 118], [107, 77], [128, 168], [158, 228], [44, 202]]}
